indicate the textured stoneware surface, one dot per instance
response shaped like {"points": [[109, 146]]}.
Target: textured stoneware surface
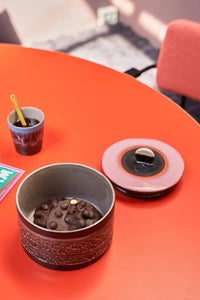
{"points": [[67, 253], [65, 250]]}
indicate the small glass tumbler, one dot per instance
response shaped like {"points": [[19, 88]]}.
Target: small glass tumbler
{"points": [[27, 140]]}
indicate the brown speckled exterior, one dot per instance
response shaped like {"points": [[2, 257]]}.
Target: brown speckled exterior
{"points": [[28, 143], [67, 253]]}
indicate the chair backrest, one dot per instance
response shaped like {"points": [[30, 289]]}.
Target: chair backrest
{"points": [[178, 67]]}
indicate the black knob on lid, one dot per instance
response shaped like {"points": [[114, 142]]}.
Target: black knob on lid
{"points": [[144, 155]]}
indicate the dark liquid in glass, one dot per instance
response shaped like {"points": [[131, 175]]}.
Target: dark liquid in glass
{"points": [[29, 122]]}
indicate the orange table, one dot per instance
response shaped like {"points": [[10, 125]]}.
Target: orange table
{"points": [[155, 253]]}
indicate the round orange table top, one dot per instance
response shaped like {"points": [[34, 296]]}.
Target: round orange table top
{"points": [[155, 252]]}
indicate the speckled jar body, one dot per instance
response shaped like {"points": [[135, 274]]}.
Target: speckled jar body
{"points": [[65, 250]]}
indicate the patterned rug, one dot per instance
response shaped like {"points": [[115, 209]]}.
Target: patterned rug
{"points": [[119, 48]]}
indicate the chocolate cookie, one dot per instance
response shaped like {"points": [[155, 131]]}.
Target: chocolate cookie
{"points": [[66, 214]]}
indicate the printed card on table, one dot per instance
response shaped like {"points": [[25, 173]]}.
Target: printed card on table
{"points": [[8, 177]]}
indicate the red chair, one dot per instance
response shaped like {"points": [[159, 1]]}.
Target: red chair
{"points": [[178, 65]]}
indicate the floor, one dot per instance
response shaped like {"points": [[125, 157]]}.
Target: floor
{"points": [[41, 20]]}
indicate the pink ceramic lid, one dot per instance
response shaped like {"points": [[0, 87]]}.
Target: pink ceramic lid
{"points": [[164, 180]]}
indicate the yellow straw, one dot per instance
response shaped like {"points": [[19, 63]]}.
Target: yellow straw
{"points": [[19, 112]]}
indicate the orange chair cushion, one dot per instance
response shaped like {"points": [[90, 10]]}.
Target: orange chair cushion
{"points": [[178, 67]]}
